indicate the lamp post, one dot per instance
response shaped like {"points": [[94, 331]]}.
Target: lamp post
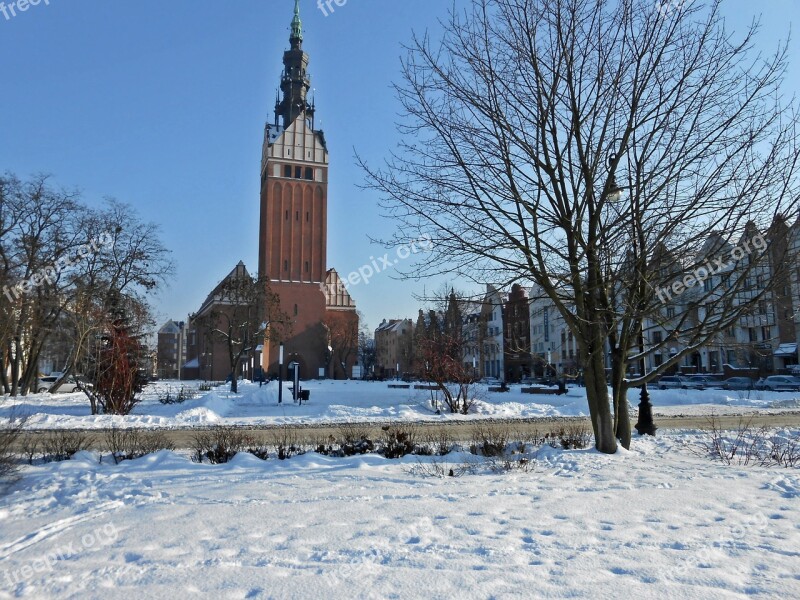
{"points": [[644, 424], [280, 374]]}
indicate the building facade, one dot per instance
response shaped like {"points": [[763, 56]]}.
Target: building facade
{"points": [[293, 224], [394, 355], [171, 350]]}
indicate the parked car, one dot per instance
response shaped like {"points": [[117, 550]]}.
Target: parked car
{"points": [[675, 382], [45, 383], [779, 383], [738, 383], [702, 382]]}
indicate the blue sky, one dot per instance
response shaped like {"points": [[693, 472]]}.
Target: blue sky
{"points": [[162, 105]]}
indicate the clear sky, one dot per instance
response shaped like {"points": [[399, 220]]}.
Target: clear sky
{"points": [[162, 104]]}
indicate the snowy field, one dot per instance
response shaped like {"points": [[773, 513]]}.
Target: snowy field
{"points": [[339, 401], [655, 522]]}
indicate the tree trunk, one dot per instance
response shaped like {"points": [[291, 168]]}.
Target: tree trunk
{"points": [[619, 391], [597, 395]]}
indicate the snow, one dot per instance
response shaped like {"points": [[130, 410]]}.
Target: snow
{"points": [[655, 521], [341, 401]]}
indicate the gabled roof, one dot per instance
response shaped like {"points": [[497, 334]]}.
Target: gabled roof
{"points": [[238, 272]]}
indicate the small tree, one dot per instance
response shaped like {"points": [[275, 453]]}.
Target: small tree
{"points": [[440, 352], [117, 369], [366, 349], [341, 328], [244, 313], [445, 368]]}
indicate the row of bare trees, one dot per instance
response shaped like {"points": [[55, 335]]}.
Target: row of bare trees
{"points": [[596, 149], [69, 274]]}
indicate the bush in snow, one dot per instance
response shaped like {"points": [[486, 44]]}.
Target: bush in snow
{"points": [[569, 437], [748, 445], [398, 440], [354, 439], [218, 445], [438, 441], [286, 444], [9, 433], [128, 444], [62, 445], [489, 441]]}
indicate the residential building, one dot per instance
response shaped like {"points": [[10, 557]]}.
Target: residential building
{"points": [[491, 346], [394, 355], [171, 350], [516, 337]]}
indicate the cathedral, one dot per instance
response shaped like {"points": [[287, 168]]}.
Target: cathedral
{"points": [[293, 230]]}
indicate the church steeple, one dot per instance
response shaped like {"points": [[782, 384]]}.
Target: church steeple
{"points": [[295, 80], [296, 39]]}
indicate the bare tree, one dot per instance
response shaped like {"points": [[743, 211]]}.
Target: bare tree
{"points": [[597, 149], [440, 351], [245, 312], [366, 349], [341, 328], [41, 232], [62, 265], [130, 262]]}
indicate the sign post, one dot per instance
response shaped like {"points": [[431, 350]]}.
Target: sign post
{"points": [[280, 374]]}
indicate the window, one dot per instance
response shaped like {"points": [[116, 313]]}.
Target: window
{"points": [[287, 215], [298, 172], [285, 265], [309, 173], [287, 171], [306, 266], [297, 215], [670, 312], [657, 339], [295, 310], [752, 334], [307, 216], [766, 332]]}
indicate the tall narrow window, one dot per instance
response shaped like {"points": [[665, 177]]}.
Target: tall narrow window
{"points": [[285, 265], [309, 173], [295, 310], [307, 216], [298, 172], [287, 171], [306, 266]]}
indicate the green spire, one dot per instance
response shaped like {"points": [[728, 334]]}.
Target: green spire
{"points": [[297, 24]]}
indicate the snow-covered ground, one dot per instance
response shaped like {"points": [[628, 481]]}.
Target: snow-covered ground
{"points": [[338, 401], [655, 522]]}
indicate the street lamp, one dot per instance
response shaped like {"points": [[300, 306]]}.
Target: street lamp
{"points": [[645, 424], [280, 374]]}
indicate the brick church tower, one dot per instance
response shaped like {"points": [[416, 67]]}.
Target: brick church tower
{"points": [[293, 225]]}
